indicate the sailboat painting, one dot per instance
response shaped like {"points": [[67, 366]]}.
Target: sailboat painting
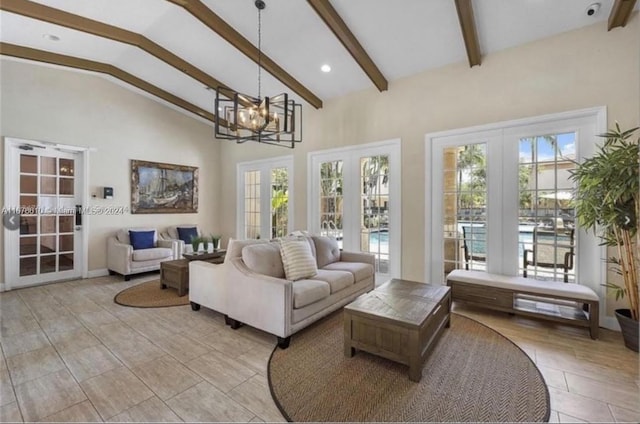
{"points": [[163, 188]]}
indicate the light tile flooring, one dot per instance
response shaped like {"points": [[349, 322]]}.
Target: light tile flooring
{"points": [[69, 353]]}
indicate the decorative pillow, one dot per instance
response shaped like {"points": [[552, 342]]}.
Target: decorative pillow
{"points": [[186, 234], [327, 250], [264, 258], [297, 259], [142, 239]]}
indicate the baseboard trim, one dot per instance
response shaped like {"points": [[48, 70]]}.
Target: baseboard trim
{"points": [[610, 323], [2, 287], [97, 273]]}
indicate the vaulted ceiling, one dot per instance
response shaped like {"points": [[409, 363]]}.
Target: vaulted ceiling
{"points": [[176, 49]]}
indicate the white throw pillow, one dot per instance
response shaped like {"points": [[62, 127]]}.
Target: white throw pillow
{"points": [[297, 259]]}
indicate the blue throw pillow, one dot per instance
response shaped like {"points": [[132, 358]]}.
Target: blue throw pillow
{"points": [[141, 239], [186, 234]]}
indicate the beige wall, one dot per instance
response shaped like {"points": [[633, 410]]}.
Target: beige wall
{"points": [[67, 107], [578, 69]]}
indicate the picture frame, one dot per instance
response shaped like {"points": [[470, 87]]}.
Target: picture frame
{"points": [[163, 188]]}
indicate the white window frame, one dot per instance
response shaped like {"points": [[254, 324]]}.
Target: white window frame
{"points": [[264, 166], [502, 140], [350, 219]]}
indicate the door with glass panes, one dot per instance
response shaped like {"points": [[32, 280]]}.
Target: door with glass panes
{"points": [[43, 187]]}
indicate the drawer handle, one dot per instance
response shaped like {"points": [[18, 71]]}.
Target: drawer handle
{"points": [[437, 310], [483, 297]]}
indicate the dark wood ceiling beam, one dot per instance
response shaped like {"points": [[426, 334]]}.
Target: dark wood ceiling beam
{"points": [[469, 32], [205, 15], [336, 24], [28, 53], [620, 13], [69, 20]]}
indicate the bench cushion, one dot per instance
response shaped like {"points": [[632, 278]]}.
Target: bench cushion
{"points": [[549, 288]]}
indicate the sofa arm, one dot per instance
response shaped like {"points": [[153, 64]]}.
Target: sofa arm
{"points": [[366, 258], [258, 300], [171, 244], [207, 285], [119, 256]]}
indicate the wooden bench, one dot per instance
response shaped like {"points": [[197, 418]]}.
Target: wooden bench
{"points": [[568, 303]]}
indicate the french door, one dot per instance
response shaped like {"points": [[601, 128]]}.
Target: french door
{"points": [[43, 192], [265, 198], [501, 200], [354, 196]]}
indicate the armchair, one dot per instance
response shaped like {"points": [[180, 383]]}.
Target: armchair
{"points": [[123, 259]]}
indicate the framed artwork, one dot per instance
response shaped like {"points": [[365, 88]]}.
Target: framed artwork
{"points": [[163, 188]]}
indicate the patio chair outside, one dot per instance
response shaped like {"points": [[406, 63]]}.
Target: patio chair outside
{"points": [[558, 255], [475, 244]]}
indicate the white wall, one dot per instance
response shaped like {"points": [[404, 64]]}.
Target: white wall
{"points": [[63, 106], [579, 69]]}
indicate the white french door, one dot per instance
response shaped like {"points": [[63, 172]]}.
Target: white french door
{"points": [[265, 198], [499, 200], [44, 189], [354, 195]]}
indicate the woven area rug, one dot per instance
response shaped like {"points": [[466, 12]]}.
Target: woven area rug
{"points": [[473, 374], [150, 295]]}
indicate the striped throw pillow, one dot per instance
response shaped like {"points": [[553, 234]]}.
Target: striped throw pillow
{"points": [[297, 259]]}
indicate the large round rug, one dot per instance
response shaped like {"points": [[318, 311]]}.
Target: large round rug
{"points": [[473, 374], [150, 295]]}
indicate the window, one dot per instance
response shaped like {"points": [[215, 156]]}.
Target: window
{"points": [[499, 200], [265, 196]]}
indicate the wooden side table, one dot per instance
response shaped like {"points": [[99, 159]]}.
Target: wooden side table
{"points": [[176, 273]]}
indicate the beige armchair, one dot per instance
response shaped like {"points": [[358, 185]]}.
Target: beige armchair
{"points": [[123, 259], [171, 233]]}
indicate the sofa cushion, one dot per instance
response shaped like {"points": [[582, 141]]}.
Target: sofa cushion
{"points": [[306, 292], [337, 280], [152, 254], [186, 234], [264, 259], [359, 270], [234, 248], [142, 239], [297, 259], [327, 250], [123, 235]]}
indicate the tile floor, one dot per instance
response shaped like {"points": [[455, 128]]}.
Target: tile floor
{"points": [[70, 354]]}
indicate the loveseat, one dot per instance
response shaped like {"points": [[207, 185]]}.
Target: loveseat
{"points": [[251, 288], [123, 256]]}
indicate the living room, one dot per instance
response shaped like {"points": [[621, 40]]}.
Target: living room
{"points": [[109, 123]]}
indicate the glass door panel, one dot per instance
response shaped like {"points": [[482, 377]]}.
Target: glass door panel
{"points": [[47, 240], [464, 211], [331, 200], [374, 209], [279, 202], [546, 218], [252, 204]]}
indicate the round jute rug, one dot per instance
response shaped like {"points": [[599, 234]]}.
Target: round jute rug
{"points": [[150, 295], [473, 374]]}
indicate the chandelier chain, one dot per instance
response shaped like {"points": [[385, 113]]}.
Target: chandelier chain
{"points": [[259, 52]]}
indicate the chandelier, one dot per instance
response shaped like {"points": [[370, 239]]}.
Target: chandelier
{"points": [[275, 120]]}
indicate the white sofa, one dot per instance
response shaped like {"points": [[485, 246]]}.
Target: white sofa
{"points": [[124, 260], [171, 233], [250, 286]]}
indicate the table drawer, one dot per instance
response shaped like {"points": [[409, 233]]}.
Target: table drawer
{"points": [[482, 294]]}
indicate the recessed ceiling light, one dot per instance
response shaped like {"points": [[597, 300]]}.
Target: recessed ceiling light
{"points": [[50, 37], [325, 68]]}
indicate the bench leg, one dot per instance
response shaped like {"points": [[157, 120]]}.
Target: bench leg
{"points": [[594, 320]]}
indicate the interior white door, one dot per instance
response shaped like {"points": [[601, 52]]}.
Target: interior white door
{"points": [[43, 191]]}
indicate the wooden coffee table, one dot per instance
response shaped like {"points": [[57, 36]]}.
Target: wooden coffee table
{"points": [[400, 320], [176, 273]]}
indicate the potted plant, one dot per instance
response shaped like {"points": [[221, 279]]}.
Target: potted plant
{"points": [[607, 202], [205, 244], [195, 243], [216, 241]]}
